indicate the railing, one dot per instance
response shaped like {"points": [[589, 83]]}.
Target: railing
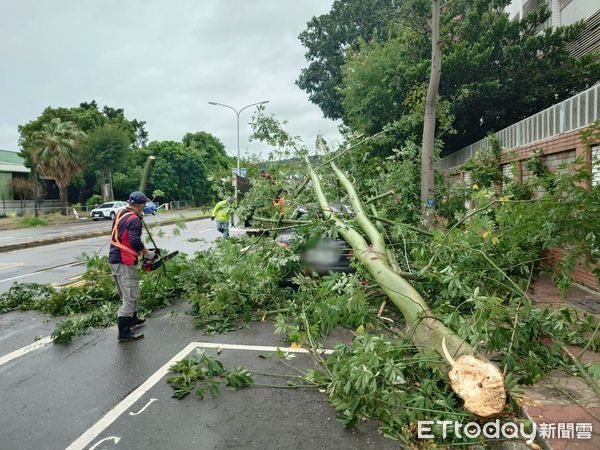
{"points": [[9, 207], [576, 112]]}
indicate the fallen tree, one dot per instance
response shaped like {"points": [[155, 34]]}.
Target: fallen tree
{"points": [[476, 380]]}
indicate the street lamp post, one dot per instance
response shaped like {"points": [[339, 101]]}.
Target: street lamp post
{"points": [[237, 113]]}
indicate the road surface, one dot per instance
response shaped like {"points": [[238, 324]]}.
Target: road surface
{"points": [[58, 263], [22, 235], [98, 394]]}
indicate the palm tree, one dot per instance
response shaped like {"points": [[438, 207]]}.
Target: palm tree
{"points": [[57, 152]]}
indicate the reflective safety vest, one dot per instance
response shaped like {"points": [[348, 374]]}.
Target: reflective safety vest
{"points": [[128, 216]]}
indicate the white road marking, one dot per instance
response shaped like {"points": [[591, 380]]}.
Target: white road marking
{"points": [[40, 271], [10, 265], [94, 431], [6, 237], [91, 434], [115, 439], [142, 410], [24, 350]]}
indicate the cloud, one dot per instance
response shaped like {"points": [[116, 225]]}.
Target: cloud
{"points": [[162, 61]]}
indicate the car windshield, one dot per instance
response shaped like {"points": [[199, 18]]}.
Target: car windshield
{"points": [[106, 205]]}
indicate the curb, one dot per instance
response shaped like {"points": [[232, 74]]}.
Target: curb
{"points": [[77, 237]]}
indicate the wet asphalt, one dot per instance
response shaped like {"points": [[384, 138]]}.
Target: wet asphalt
{"points": [[51, 396], [59, 263], [85, 225]]}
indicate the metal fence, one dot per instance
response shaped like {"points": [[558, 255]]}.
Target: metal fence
{"points": [[20, 208], [576, 112]]}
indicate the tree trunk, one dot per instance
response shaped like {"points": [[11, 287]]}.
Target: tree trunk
{"points": [[112, 193], [427, 175], [103, 186], [36, 191], [64, 199], [477, 381]]}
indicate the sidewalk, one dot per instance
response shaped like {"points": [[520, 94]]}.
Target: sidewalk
{"points": [[564, 407]]}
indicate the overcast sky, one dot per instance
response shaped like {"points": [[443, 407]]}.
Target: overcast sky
{"points": [[160, 60]]}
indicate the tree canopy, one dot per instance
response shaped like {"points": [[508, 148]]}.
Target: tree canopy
{"points": [[87, 117], [495, 71], [56, 151], [182, 169], [109, 142], [106, 148], [328, 37]]}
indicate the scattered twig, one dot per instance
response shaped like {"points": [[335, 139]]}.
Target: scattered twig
{"points": [[516, 321], [379, 197], [410, 227], [575, 400], [589, 341], [471, 214], [584, 373], [343, 152]]}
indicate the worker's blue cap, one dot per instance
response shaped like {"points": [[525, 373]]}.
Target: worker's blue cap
{"points": [[137, 198]]}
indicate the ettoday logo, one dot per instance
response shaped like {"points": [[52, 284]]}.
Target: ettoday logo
{"points": [[429, 429]]}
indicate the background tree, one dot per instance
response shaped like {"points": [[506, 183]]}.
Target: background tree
{"points": [[178, 171], [105, 150], [56, 151], [88, 117], [211, 148], [23, 188], [496, 70], [329, 37]]}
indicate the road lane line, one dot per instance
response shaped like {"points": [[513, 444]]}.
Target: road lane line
{"points": [[24, 350], [40, 271], [92, 433], [10, 265]]}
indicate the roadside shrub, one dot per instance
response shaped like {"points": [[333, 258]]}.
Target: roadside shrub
{"points": [[32, 221], [95, 199]]}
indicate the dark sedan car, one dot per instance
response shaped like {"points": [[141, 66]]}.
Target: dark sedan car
{"points": [[325, 255]]}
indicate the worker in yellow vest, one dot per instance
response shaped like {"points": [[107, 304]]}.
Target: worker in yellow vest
{"points": [[223, 213]]}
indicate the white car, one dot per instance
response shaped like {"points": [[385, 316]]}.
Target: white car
{"points": [[107, 210]]}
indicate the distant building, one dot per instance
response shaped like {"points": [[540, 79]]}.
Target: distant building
{"points": [[567, 12], [11, 165]]}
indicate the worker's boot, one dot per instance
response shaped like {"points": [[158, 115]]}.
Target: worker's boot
{"points": [[125, 333], [137, 321]]}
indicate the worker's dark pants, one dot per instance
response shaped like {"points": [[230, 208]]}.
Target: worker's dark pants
{"points": [[127, 281], [223, 228]]}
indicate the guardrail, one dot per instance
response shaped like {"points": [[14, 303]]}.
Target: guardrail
{"points": [[571, 114]]}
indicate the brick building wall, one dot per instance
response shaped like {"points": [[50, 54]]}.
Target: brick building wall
{"points": [[558, 153]]}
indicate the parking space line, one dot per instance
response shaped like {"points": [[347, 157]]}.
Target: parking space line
{"points": [[24, 350], [92, 433]]}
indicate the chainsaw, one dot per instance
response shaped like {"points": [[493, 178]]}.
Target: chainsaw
{"points": [[150, 265]]}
